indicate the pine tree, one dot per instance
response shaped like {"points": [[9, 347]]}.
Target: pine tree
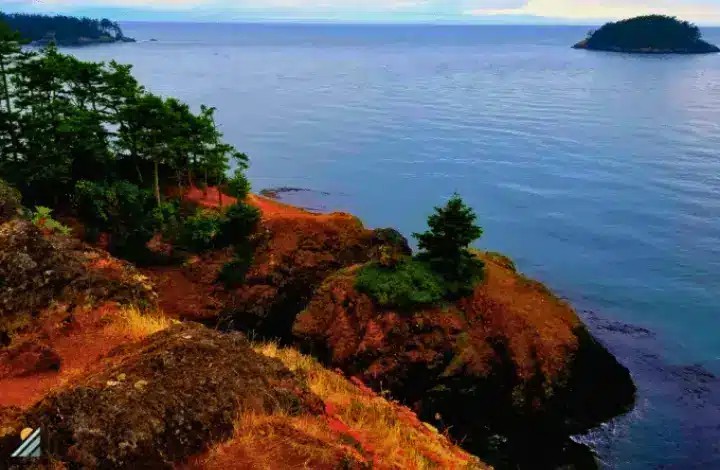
{"points": [[9, 54], [445, 245], [63, 120]]}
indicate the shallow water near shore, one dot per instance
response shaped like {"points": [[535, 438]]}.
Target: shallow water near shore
{"points": [[598, 173]]}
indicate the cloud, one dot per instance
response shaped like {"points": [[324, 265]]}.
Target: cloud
{"points": [[703, 11], [699, 11]]}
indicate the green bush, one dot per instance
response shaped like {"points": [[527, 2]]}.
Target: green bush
{"points": [[405, 285], [239, 222], [200, 231], [168, 218], [238, 186], [233, 273], [10, 199], [41, 217], [123, 209], [445, 269], [459, 276]]}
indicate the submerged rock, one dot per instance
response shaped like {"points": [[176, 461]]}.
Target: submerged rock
{"points": [[511, 370]]}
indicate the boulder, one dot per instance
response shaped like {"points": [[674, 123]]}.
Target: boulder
{"points": [[511, 369], [164, 399], [37, 270]]}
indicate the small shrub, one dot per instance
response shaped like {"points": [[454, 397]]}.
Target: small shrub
{"points": [[123, 209], [238, 186], [233, 273], [239, 222], [467, 271], [389, 247], [405, 285], [41, 217], [168, 218], [10, 199], [200, 231]]}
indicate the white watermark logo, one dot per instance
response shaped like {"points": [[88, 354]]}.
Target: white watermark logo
{"points": [[30, 446]]}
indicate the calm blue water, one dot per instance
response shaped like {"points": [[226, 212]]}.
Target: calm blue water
{"points": [[598, 173]]}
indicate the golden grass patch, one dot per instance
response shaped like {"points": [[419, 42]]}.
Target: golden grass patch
{"points": [[137, 324], [387, 432]]}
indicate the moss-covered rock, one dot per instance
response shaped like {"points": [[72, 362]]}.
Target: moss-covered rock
{"points": [[164, 399], [37, 270]]}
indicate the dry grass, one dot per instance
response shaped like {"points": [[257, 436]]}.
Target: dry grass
{"points": [[271, 442], [134, 323], [387, 432]]}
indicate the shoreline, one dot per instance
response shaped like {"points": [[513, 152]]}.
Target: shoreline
{"points": [[81, 42], [705, 49]]}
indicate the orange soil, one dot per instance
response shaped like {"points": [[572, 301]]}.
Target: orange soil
{"points": [[209, 198], [271, 208], [80, 345], [181, 297], [188, 292], [320, 441]]}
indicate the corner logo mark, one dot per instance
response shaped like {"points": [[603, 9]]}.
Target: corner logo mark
{"points": [[30, 446]]}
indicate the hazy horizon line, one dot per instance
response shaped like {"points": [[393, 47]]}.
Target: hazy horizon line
{"points": [[320, 21]]}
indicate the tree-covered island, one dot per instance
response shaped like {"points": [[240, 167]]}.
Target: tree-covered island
{"points": [[650, 34], [64, 30]]}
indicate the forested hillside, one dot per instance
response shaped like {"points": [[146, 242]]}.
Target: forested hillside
{"points": [[63, 30]]}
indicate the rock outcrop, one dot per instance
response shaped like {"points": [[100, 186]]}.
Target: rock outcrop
{"points": [[297, 250], [193, 398], [511, 370], [37, 270], [164, 399]]}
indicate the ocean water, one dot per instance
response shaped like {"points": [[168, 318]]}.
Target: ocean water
{"points": [[598, 173]]}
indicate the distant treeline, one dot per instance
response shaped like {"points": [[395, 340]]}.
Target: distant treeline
{"points": [[64, 30]]}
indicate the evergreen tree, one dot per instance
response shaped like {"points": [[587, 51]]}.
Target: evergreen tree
{"points": [[63, 120], [150, 123], [122, 92], [445, 246], [9, 54]]}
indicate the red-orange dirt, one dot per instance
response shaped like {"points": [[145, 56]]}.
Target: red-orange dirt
{"points": [[59, 300], [211, 198], [79, 340], [191, 292], [295, 251], [92, 354]]}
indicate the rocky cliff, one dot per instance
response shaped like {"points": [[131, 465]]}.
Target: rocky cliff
{"points": [[511, 369]]}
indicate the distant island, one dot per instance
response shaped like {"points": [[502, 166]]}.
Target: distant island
{"points": [[651, 34], [64, 30]]}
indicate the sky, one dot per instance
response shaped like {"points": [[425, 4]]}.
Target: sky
{"points": [[703, 12]]}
